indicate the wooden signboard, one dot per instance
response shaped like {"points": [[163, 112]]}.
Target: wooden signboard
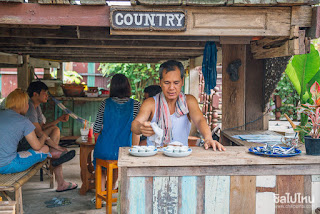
{"points": [[161, 20]]}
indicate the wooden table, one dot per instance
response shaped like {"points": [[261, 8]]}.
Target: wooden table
{"points": [[86, 166], [234, 181], [228, 140]]}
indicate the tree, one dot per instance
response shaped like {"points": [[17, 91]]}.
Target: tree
{"points": [[139, 75]]}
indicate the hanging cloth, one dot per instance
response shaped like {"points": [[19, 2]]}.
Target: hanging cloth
{"points": [[163, 113], [209, 66]]}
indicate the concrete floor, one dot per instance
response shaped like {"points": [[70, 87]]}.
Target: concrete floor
{"points": [[35, 193]]}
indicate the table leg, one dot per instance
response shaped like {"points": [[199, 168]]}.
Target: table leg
{"points": [[85, 152]]}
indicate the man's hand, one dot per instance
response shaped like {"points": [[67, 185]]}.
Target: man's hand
{"points": [[214, 144], [146, 129], [64, 118]]}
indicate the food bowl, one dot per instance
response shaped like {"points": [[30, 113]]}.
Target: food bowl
{"points": [[73, 90]]}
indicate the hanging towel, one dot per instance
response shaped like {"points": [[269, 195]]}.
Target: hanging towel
{"points": [[209, 66], [157, 137]]}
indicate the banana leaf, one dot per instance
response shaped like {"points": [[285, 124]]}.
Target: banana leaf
{"points": [[303, 71]]}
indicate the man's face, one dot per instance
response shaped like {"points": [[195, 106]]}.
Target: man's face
{"points": [[171, 84], [42, 97]]}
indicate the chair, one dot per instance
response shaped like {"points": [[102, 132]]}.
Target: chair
{"points": [[110, 165]]}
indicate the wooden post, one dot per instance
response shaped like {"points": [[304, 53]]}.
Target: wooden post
{"points": [[194, 88], [254, 94], [60, 72], [46, 74], [24, 76], [242, 100], [233, 93]]}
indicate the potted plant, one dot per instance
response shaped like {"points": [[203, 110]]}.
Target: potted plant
{"points": [[312, 142], [72, 86]]}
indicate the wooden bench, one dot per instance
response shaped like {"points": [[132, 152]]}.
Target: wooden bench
{"points": [[14, 182]]}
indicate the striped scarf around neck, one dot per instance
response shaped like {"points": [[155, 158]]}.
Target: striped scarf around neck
{"points": [[163, 114]]}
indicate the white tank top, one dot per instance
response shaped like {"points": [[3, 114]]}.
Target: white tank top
{"points": [[180, 127]]}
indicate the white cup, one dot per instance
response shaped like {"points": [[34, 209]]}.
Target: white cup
{"points": [[84, 135], [134, 149], [184, 149], [176, 150]]}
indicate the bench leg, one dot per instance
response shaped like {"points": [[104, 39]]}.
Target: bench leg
{"points": [[18, 198]]}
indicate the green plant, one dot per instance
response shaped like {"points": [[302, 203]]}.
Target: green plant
{"points": [[289, 97], [139, 75], [69, 77], [303, 71], [313, 112]]}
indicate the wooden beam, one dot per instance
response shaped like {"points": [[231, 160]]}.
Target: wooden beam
{"points": [[159, 51], [24, 75], [116, 59], [40, 63], [10, 59], [22, 42], [228, 21], [301, 16], [225, 40], [314, 31], [101, 33], [54, 15], [271, 47]]}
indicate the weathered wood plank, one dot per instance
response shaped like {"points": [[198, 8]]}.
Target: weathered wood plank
{"points": [[93, 2], [149, 193], [124, 186], [265, 203], [24, 75], [40, 63], [266, 181], [235, 156], [227, 40], [233, 92], [41, 14], [20, 1], [137, 195], [188, 195], [307, 192], [201, 194], [303, 169], [150, 44], [220, 21], [272, 47], [315, 178], [254, 93], [314, 31], [217, 194], [285, 187], [316, 195], [10, 59], [301, 16], [165, 195], [242, 194]]}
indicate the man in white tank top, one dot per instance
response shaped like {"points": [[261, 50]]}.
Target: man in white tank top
{"points": [[171, 109]]}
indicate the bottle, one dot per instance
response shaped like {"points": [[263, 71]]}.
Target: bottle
{"points": [[90, 135]]}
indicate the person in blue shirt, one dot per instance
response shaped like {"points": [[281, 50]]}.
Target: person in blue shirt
{"points": [[13, 127], [113, 122]]}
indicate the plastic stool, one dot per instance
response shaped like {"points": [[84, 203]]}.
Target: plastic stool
{"points": [[110, 165]]}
